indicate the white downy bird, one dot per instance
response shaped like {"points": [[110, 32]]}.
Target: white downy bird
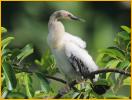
{"points": [[69, 50]]}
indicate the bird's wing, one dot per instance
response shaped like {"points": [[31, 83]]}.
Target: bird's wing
{"points": [[78, 41], [80, 60]]}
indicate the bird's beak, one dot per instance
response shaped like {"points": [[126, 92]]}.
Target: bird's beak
{"points": [[77, 18]]}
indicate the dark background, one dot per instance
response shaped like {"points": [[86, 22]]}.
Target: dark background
{"points": [[27, 22]]}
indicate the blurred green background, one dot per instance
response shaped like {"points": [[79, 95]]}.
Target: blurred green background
{"points": [[27, 22]]}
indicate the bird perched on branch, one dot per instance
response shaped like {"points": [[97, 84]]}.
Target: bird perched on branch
{"points": [[69, 50]]}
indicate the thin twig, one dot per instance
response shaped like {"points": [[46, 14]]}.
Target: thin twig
{"points": [[55, 78]]}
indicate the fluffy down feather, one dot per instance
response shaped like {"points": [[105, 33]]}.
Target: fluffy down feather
{"points": [[74, 46], [74, 39]]}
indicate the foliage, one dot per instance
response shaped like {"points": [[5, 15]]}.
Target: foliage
{"points": [[117, 56], [19, 81], [47, 64]]}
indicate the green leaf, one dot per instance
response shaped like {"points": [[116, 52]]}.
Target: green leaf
{"points": [[117, 48], [6, 41], [99, 58], [28, 85], [124, 64], [125, 28], [21, 83], [16, 95], [40, 95], [127, 81], [5, 53], [124, 35], [75, 95], [114, 53], [112, 63], [47, 63], [4, 92], [3, 30], [38, 62], [9, 75], [26, 51], [44, 84]]}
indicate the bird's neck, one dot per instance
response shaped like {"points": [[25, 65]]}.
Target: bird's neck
{"points": [[56, 31], [55, 27]]}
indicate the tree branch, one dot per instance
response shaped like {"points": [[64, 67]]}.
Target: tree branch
{"points": [[73, 83], [55, 78], [110, 70], [60, 94]]}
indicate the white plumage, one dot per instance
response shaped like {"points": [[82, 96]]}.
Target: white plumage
{"points": [[69, 50], [76, 40]]}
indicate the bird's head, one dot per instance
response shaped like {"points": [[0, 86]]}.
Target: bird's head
{"points": [[63, 14]]}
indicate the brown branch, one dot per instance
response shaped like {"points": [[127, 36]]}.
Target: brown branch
{"points": [[55, 78], [60, 94], [106, 70], [47, 76]]}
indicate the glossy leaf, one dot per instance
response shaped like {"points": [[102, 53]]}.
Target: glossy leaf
{"points": [[28, 85], [112, 63], [9, 75], [125, 28], [26, 51], [124, 64], [44, 84], [3, 30], [6, 41], [113, 53]]}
